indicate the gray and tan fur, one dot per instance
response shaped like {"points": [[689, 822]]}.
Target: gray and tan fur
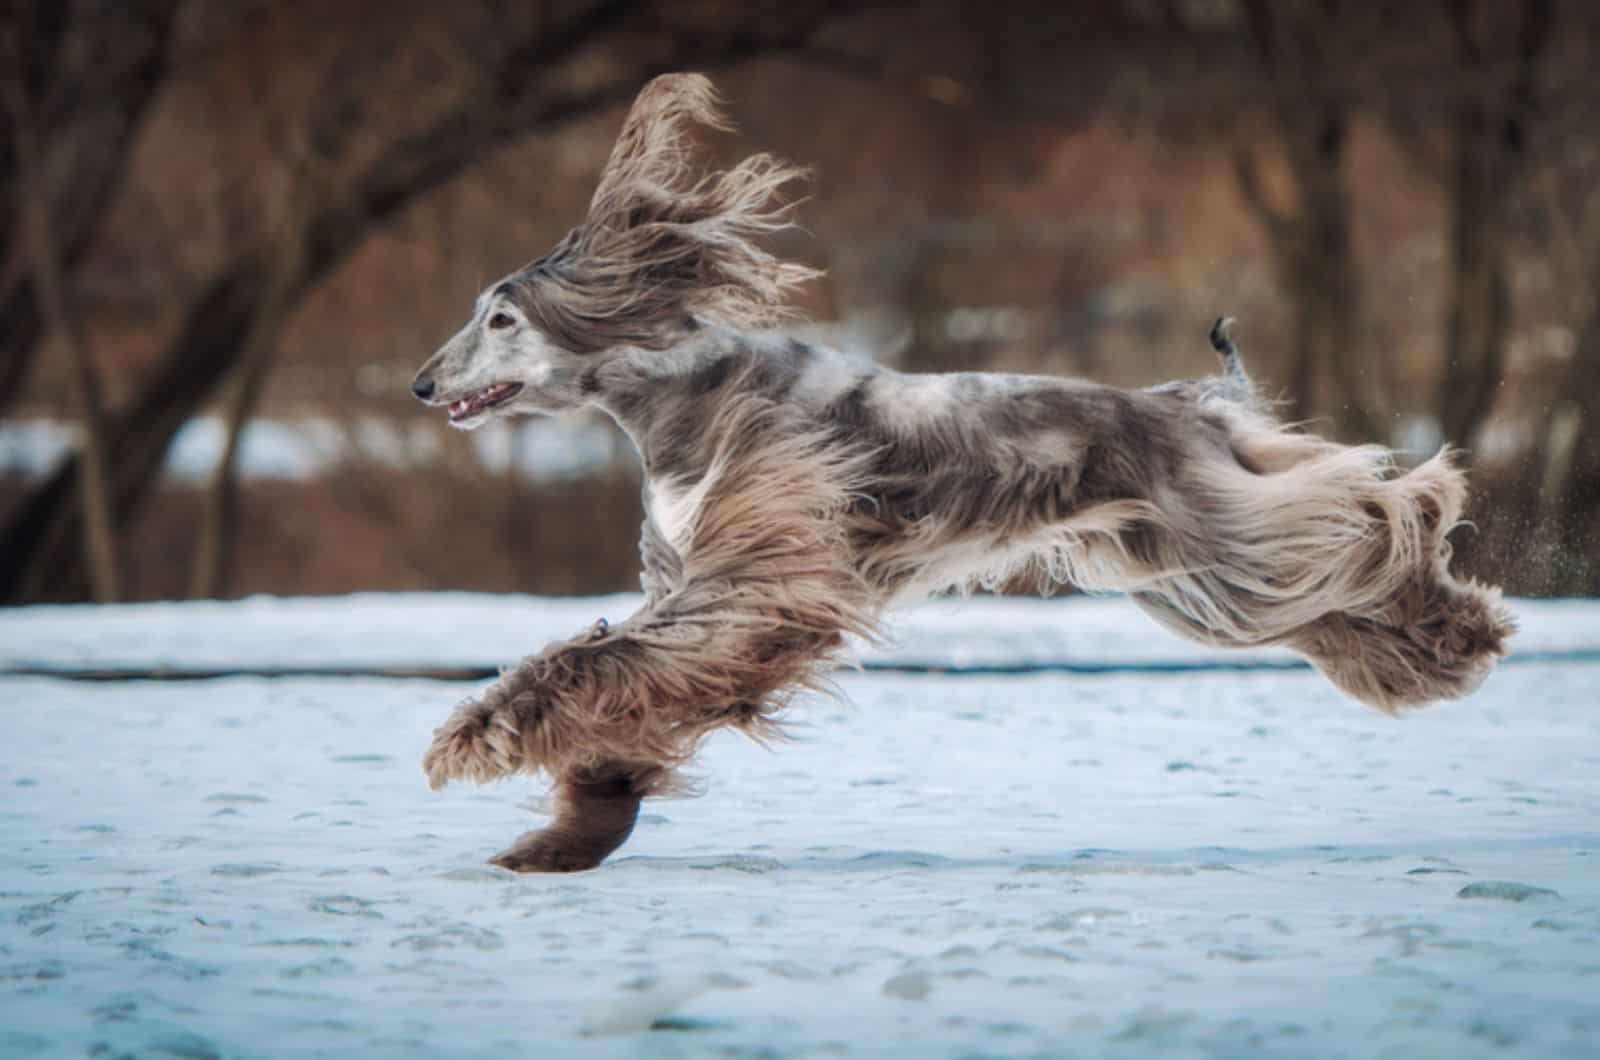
{"points": [[793, 493]]}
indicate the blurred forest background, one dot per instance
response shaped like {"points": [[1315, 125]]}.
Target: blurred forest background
{"points": [[233, 229]]}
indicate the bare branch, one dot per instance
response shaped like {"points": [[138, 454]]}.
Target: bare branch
{"points": [[1280, 226]]}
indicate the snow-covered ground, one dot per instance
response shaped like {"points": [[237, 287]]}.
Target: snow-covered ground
{"points": [[1057, 864]]}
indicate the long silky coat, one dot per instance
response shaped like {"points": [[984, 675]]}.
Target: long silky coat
{"points": [[793, 492]]}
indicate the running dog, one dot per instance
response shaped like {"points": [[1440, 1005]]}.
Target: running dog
{"points": [[793, 493]]}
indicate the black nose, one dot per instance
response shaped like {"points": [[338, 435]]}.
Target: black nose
{"points": [[423, 388]]}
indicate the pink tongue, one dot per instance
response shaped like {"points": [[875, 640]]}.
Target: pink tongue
{"points": [[475, 402]]}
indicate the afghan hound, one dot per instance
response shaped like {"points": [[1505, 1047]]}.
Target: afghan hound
{"points": [[792, 493]]}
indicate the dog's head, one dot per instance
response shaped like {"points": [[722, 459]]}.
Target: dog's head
{"points": [[659, 254]]}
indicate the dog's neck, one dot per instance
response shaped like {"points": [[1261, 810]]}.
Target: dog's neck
{"points": [[663, 399]]}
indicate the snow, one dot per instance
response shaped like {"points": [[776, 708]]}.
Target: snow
{"points": [[453, 630], [539, 449], [1185, 864]]}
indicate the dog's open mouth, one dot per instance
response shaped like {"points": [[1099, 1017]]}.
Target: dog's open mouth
{"points": [[482, 401]]}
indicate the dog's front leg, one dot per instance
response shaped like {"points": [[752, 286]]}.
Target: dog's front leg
{"points": [[604, 696], [595, 810], [766, 592], [610, 713]]}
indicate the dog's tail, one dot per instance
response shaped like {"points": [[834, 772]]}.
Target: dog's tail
{"points": [[1290, 539], [1234, 376]]}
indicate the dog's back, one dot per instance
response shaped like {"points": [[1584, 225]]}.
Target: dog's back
{"points": [[1224, 525]]}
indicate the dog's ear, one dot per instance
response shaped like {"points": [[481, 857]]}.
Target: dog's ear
{"points": [[661, 247], [652, 153]]}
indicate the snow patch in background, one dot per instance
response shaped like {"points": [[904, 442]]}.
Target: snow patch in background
{"points": [[537, 449], [469, 629]]}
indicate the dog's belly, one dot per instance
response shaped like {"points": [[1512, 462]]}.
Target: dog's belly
{"points": [[965, 565], [1083, 551]]}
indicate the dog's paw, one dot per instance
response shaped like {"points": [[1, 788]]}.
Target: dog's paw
{"points": [[477, 743], [547, 852]]}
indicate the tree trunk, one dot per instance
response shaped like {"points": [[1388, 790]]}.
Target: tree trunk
{"points": [[1479, 297], [1322, 282], [91, 79], [99, 534], [213, 564], [212, 568], [1580, 490], [1491, 138], [1306, 52], [1312, 251]]}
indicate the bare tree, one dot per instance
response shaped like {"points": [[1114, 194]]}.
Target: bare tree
{"points": [[1308, 52], [302, 186], [1498, 49], [50, 289], [1567, 199], [536, 74], [88, 73]]}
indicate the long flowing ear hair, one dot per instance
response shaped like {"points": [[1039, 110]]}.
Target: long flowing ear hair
{"points": [[661, 248]]}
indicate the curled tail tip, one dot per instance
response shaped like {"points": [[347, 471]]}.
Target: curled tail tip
{"points": [[1222, 337]]}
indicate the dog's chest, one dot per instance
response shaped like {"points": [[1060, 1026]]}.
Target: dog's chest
{"points": [[675, 509]]}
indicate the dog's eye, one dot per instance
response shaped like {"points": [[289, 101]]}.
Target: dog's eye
{"points": [[501, 321]]}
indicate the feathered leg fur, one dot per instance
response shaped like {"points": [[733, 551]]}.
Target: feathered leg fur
{"points": [[762, 605], [1330, 550]]}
